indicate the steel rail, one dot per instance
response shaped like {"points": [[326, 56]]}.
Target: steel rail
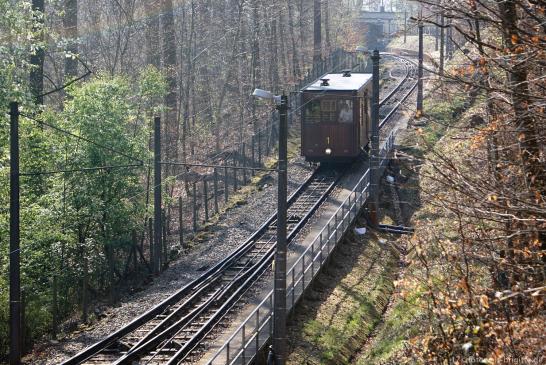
{"points": [[266, 261], [176, 297], [197, 287], [266, 317], [204, 284], [395, 89], [251, 274], [411, 68], [309, 213]]}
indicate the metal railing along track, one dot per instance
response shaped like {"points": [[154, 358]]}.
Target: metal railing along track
{"points": [[244, 344], [171, 331]]}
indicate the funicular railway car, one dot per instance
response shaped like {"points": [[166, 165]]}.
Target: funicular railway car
{"points": [[336, 121]]}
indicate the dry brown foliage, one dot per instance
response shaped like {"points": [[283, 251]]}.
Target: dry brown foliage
{"points": [[485, 273]]}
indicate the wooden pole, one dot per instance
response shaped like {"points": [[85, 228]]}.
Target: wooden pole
{"points": [[226, 185], [157, 197], [216, 210], [194, 191], [206, 199], [180, 222]]}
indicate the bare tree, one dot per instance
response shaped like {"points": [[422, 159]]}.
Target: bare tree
{"points": [[70, 23]]}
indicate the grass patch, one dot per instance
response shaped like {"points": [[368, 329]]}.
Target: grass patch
{"points": [[401, 324], [405, 319], [333, 330], [440, 116]]}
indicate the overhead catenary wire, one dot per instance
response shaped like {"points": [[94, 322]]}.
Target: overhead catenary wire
{"points": [[177, 10], [187, 165], [71, 134], [83, 169], [216, 166], [73, 81], [140, 164]]}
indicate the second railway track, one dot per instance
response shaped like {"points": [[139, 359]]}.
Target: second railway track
{"points": [[173, 332], [390, 104]]}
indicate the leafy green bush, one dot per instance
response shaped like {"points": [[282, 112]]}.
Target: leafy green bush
{"points": [[78, 224]]}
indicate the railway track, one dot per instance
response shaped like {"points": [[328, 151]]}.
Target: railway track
{"points": [[390, 104], [173, 331]]}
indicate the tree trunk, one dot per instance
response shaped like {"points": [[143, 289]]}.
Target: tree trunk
{"points": [[256, 69], [172, 129], [527, 135], [327, 25], [188, 88], [442, 44], [295, 59], [217, 114], [37, 61], [152, 34], [70, 23], [302, 30], [274, 66], [317, 30], [284, 53]]}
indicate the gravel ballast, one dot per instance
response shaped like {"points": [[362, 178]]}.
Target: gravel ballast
{"points": [[234, 227]]}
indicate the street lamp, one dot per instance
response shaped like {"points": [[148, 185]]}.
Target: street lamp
{"points": [[279, 296], [364, 51], [267, 95]]}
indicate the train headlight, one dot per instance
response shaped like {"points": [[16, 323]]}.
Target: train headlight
{"points": [[328, 151]]}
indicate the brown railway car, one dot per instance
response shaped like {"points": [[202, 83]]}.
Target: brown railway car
{"points": [[336, 117]]}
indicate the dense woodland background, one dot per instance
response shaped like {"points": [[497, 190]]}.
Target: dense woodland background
{"points": [[89, 77]]}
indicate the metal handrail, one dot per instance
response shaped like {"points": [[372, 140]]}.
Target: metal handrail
{"points": [[258, 323]]}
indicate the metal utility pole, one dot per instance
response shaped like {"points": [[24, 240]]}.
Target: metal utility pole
{"points": [[420, 72], [14, 241], [374, 158], [157, 197], [442, 45], [279, 297]]}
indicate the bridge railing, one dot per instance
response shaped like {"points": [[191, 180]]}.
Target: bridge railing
{"points": [[243, 345]]}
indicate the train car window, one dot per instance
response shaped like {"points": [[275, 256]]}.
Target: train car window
{"points": [[345, 107], [312, 111], [328, 110]]}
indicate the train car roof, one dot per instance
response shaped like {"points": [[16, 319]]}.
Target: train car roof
{"points": [[337, 82]]}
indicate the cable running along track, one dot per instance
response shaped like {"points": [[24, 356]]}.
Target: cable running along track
{"points": [[175, 331]]}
